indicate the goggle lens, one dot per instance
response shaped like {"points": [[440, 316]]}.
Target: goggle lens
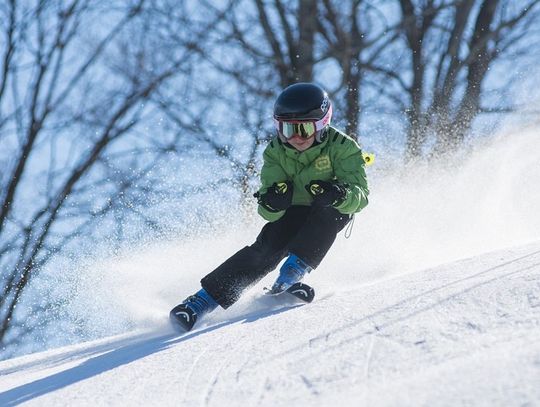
{"points": [[302, 129]]}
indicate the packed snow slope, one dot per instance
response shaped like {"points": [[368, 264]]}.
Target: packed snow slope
{"points": [[464, 333]]}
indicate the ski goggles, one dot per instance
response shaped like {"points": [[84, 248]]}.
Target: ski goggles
{"points": [[303, 128]]}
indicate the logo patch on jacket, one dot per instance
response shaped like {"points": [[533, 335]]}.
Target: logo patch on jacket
{"points": [[323, 163]]}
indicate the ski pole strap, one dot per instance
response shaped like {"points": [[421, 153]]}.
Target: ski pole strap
{"points": [[349, 228]]}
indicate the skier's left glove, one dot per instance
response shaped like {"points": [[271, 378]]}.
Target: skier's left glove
{"points": [[277, 197], [326, 193]]}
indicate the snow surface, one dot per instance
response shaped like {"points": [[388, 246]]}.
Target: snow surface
{"points": [[465, 333], [433, 301]]}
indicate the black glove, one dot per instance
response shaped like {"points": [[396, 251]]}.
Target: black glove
{"points": [[277, 197], [326, 193]]}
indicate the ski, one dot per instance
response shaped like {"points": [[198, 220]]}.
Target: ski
{"points": [[182, 318], [301, 291]]}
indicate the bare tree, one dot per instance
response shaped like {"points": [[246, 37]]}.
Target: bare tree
{"points": [[346, 41], [76, 86], [452, 45], [354, 34], [272, 44], [290, 35]]}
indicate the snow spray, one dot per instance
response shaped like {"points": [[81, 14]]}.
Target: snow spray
{"points": [[417, 218]]}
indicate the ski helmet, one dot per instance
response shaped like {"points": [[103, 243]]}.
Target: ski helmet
{"points": [[304, 109]]}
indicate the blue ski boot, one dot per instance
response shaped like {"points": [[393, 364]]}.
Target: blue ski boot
{"points": [[291, 272], [184, 315]]}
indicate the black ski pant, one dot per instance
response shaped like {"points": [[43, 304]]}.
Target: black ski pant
{"points": [[305, 231]]}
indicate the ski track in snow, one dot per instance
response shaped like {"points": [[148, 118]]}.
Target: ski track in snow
{"points": [[464, 333]]}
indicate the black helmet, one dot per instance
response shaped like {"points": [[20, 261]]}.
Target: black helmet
{"points": [[303, 102]]}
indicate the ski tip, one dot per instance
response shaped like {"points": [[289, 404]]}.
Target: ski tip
{"points": [[302, 291], [182, 318]]}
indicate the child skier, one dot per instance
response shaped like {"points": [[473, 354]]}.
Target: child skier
{"points": [[313, 181]]}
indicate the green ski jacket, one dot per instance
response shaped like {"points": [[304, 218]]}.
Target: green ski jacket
{"points": [[338, 158]]}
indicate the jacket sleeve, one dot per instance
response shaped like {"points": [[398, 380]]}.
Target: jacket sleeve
{"points": [[271, 172], [349, 171]]}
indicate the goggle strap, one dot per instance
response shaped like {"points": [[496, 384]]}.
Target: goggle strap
{"points": [[321, 124]]}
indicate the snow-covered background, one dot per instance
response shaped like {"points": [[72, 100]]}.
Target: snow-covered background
{"points": [[433, 300]]}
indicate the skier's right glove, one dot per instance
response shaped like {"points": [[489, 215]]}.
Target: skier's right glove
{"points": [[277, 197]]}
